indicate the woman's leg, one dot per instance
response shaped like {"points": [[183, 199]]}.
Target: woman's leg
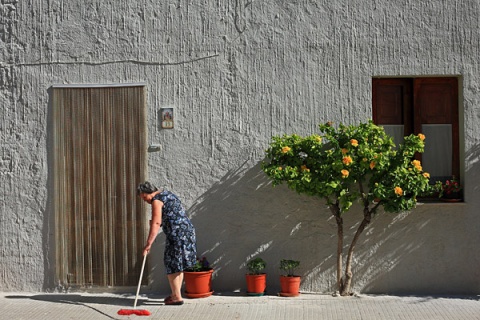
{"points": [[175, 280]]}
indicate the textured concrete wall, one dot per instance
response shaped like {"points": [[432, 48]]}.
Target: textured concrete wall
{"points": [[238, 72]]}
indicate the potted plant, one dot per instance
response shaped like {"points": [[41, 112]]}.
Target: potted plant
{"points": [[289, 283], [451, 190], [256, 280], [198, 279]]}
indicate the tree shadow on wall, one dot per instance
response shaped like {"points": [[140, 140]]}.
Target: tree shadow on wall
{"points": [[439, 260], [243, 216]]}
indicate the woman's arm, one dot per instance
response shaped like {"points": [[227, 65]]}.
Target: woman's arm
{"points": [[155, 224]]}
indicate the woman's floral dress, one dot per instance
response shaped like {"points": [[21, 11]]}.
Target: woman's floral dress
{"points": [[180, 244]]}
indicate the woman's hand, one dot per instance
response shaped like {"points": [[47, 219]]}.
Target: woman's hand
{"points": [[146, 250]]}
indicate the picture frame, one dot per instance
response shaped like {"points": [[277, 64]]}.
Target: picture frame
{"points": [[166, 118]]}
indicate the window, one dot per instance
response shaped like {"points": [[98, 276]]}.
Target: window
{"points": [[422, 105]]}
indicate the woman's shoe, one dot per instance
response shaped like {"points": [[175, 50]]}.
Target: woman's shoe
{"points": [[173, 303]]}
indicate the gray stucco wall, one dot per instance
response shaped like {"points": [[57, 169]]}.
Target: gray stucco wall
{"points": [[238, 72]]}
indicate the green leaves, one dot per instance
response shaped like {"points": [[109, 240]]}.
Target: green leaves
{"points": [[337, 163], [256, 266], [289, 266]]}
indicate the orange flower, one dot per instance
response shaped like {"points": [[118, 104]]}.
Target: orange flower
{"points": [[345, 173], [344, 151], [304, 168], [417, 164], [421, 136], [354, 142], [280, 168], [426, 175], [398, 191], [347, 160], [372, 165], [286, 149]]}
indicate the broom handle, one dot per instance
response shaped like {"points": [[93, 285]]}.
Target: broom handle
{"points": [[139, 281]]}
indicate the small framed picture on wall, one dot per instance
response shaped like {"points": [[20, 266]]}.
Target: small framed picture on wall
{"points": [[166, 115]]}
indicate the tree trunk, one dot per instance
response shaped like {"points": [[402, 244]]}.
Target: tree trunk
{"points": [[367, 216], [335, 209]]}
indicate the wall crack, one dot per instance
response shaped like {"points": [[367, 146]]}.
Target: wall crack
{"points": [[139, 62]]}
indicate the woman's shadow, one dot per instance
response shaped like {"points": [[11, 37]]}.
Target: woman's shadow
{"points": [[122, 301]]}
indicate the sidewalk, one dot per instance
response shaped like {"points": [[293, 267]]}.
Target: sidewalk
{"points": [[238, 306]]}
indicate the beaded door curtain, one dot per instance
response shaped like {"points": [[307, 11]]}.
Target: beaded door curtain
{"points": [[100, 156]]}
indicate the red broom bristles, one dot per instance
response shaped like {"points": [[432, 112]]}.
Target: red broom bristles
{"points": [[135, 311], [138, 312]]}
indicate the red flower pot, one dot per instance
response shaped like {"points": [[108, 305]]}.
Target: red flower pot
{"points": [[290, 286], [198, 284], [256, 284]]}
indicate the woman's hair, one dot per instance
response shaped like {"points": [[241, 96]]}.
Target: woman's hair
{"points": [[146, 187]]}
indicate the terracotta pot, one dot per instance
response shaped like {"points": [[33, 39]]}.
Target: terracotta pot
{"points": [[256, 284], [198, 284], [290, 286]]}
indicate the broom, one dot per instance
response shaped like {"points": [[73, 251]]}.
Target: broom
{"points": [[138, 312]]}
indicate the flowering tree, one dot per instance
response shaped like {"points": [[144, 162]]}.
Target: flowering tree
{"points": [[348, 164]]}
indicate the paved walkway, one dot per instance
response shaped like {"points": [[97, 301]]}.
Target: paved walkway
{"points": [[90, 306]]}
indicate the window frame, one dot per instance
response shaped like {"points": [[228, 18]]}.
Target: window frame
{"points": [[412, 116]]}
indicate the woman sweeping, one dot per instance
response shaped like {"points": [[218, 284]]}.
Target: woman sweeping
{"points": [[180, 243]]}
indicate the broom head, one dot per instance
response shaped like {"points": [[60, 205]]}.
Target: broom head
{"points": [[138, 312]]}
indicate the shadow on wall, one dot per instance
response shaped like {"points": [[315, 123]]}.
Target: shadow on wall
{"points": [[472, 174], [242, 217], [433, 248], [48, 231]]}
